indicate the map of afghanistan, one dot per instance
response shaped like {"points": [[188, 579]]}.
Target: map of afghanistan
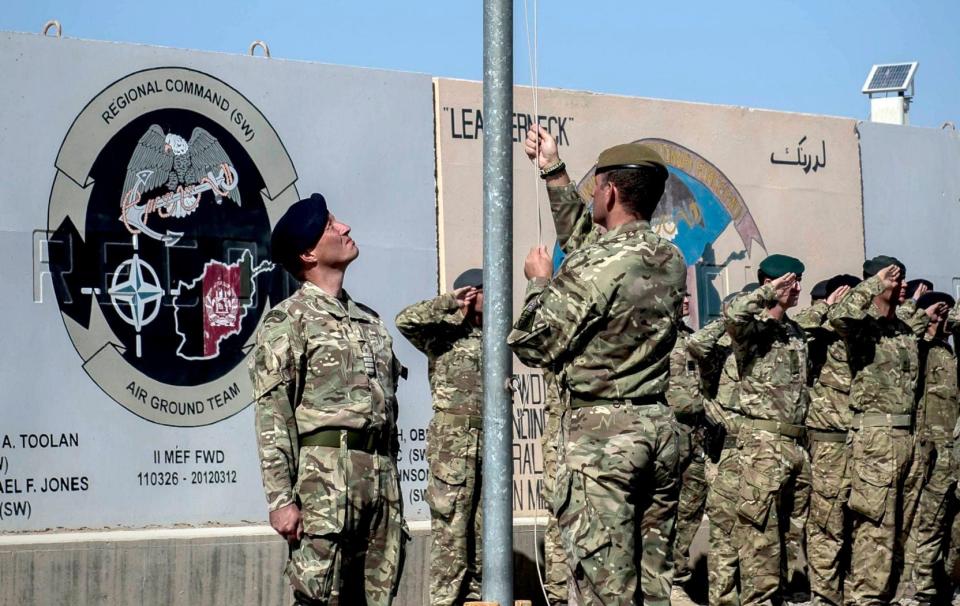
{"points": [[211, 307]]}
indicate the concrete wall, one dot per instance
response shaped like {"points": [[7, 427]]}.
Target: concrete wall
{"points": [[86, 439], [911, 199], [236, 566]]}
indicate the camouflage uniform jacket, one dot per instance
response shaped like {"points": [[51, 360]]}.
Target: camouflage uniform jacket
{"points": [[574, 224], [830, 372], [882, 352], [319, 363], [607, 320], [937, 410], [454, 348], [683, 394], [713, 348], [771, 357]]}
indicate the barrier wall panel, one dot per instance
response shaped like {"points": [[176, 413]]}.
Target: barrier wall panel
{"points": [[140, 187], [911, 199], [743, 183]]}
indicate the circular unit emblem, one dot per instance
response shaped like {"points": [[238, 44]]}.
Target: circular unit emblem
{"points": [[159, 228]]}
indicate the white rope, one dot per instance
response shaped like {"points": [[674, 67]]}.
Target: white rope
{"points": [[532, 62], [534, 83]]}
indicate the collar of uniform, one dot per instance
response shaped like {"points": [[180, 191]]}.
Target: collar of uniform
{"points": [[638, 225], [332, 305]]}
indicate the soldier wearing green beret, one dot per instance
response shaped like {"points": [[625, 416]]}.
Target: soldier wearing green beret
{"points": [[884, 360], [605, 324], [774, 468]]}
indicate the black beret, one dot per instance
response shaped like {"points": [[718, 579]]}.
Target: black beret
{"points": [[819, 291], [298, 229], [775, 266], [872, 267], [932, 297], [471, 277], [841, 280], [913, 284]]}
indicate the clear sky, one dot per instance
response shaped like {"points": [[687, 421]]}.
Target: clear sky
{"points": [[807, 56]]}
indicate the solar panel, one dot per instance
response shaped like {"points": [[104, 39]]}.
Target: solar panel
{"points": [[893, 77]]}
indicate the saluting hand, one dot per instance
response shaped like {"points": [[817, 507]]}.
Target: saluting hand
{"points": [[837, 294], [921, 290], [784, 284], [539, 263], [288, 522], [889, 276], [547, 155], [937, 311], [465, 297]]}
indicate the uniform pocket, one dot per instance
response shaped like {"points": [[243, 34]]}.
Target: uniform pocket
{"points": [[757, 494], [584, 533], [322, 488], [869, 488], [447, 452]]}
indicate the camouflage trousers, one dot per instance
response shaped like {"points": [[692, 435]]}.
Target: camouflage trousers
{"points": [[879, 466], [692, 500], [554, 559], [927, 535], [723, 562], [354, 534], [616, 503], [828, 533], [774, 491], [454, 453]]}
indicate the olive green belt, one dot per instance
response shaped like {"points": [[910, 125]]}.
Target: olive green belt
{"points": [[784, 429], [827, 436], [581, 402], [369, 442], [458, 420], [879, 419]]}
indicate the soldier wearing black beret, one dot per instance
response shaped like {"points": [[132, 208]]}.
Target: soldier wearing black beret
{"points": [[324, 382]]}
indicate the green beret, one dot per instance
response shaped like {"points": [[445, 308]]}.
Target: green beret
{"points": [[775, 266], [872, 267], [628, 155]]}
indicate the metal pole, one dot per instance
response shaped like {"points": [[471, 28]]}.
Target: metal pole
{"points": [[497, 301]]}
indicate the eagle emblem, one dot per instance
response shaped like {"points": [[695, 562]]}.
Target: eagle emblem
{"points": [[183, 170]]}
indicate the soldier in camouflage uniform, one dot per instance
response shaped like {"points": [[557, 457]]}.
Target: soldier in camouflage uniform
{"points": [[828, 420], [606, 323], [324, 381], [936, 418], [712, 347], [567, 211], [773, 465], [684, 397], [448, 329], [882, 353], [555, 561]]}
